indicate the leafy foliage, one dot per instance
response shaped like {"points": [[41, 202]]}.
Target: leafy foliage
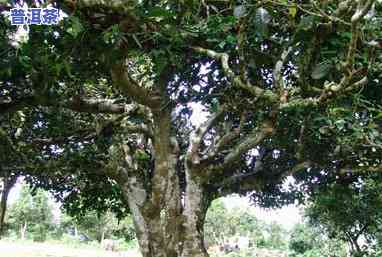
{"points": [[98, 227], [240, 222], [97, 108], [357, 216], [308, 240], [31, 214]]}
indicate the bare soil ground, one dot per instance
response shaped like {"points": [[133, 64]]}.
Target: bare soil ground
{"points": [[11, 249]]}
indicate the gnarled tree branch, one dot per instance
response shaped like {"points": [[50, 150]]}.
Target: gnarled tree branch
{"points": [[249, 143], [131, 88], [256, 91], [76, 103], [196, 138]]}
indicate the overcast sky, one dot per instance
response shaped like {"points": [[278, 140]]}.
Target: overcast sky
{"points": [[287, 216]]}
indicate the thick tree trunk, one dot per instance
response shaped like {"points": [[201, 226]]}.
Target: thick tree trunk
{"points": [[8, 183], [185, 236], [167, 223], [196, 205], [3, 208]]}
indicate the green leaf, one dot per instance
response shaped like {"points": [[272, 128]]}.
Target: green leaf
{"points": [[230, 40], [214, 106], [338, 110], [324, 130], [239, 11], [159, 12], [293, 10], [262, 20], [306, 23], [222, 44], [340, 124], [68, 69], [141, 155], [379, 116], [57, 68], [76, 26], [321, 70], [25, 61]]}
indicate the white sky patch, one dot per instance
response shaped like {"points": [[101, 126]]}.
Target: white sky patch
{"points": [[14, 193], [199, 115], [20, 36], [287, 216]]}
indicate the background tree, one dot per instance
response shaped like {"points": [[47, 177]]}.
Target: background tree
{"points": [[31, 214], [349, 212], [11, 158], [98, 227], [107, 94], [276, 236], [308, 240], [237, 223], [7, 182]]}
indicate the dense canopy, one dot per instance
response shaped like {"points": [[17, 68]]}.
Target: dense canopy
{"points": [[98, 107]]}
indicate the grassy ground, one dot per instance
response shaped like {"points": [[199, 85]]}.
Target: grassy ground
{"points": [[51, 249], [29, 249]]}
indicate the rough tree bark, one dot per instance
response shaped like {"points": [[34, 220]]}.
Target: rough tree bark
{"points": [[8, 183], [173, 230], [196, 203], [167, 223]]}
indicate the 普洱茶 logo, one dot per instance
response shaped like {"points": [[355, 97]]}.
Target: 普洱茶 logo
{"points": [[34, 16]]}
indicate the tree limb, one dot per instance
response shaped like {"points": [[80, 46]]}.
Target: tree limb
{"points": [[197, 136], [131, 88], [277, 71], [76, 103], [250, 142], [362, 9], [94, 105], [362, 169], [250, 180], [138, 128], [225, 140], [256, 91], [13, 106]]}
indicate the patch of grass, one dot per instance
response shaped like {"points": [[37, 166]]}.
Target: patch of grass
{"points": [[31, 249]]}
